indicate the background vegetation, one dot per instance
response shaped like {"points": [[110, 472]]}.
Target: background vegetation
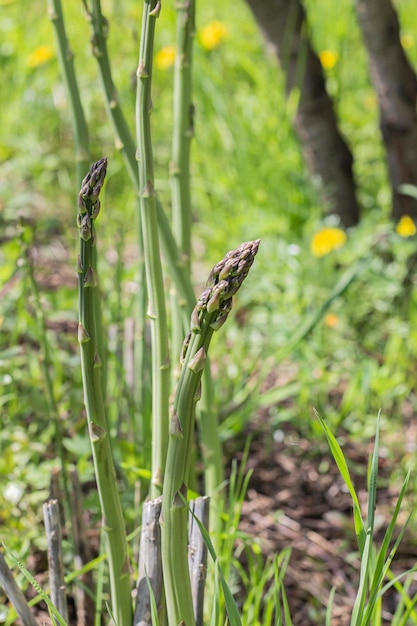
{"points": [[248, 181]]}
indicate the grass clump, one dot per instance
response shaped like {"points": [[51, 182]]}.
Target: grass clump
{"points": [[334, 329]]}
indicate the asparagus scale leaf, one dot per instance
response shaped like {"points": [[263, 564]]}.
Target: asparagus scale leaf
{"points": [[208, 316]]}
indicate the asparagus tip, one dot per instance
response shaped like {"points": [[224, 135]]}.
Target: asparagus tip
{"points": [[224, 280]]}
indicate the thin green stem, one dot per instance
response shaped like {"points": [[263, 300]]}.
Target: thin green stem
{"points": [[80, 129], [154, 278], [126, 146], [124, 140], [211, 449], [113, 523], [180, 161], [180, 275], [209, 315], [182, 130], [66, 63]]}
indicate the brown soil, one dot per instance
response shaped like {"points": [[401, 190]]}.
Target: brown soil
{"points": [[297, 499]]}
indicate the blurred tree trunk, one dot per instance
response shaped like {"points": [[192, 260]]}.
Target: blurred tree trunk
{"points": [[284, 25], [396, 87]]}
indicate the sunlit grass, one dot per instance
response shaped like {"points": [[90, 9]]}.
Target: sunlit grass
{"points": [[248, 181]]}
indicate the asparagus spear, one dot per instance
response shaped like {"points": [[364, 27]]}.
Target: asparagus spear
{"points": [[208, 316], [113, 524]]}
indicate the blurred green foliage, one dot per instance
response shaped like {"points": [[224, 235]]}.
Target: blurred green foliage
{"points": [[248, 181]]}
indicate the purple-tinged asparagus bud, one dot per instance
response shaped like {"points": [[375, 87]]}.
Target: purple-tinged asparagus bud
{"points": [[85, 190], [215, 301], [79, 266], [184, 348], [85, 228], [83, 335], [230, 268], [92, 185], [89, 278], [81, 204], [224, 281], [97, 433], [221, 317], [95, 209], [197, 394], [195, 325], [196, 364], [175, 426], [217, 294], [95, 192]]}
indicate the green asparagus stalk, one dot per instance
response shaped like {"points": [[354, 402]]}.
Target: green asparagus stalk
{"points": [[126, 146], [174, 257], [209, 315], [66, 63], [124, 139], [125, 143], [154, 278], [180, 162], [112, 523], [182, 130], [81, 139]]}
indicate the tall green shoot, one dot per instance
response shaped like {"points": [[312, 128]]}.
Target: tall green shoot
{"points": [[155, 285], [208, 316], [113, 522]]}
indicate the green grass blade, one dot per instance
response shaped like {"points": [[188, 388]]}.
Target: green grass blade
{"points": [[360, 601], [330, 607], [394, 582], [383, 562], [376, 591], [344, 471], [283, 615], [373, 479], [215, 613], [401, 617], [231, 608], [154, 608], [53, 613]]}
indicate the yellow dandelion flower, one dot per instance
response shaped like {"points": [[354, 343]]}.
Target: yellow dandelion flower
{"points": [[406, 227], [328, 59], [370, 102], [212, 35], [407, 41], [326, 240], [165, 58], [40, 55], [331, 320]]}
